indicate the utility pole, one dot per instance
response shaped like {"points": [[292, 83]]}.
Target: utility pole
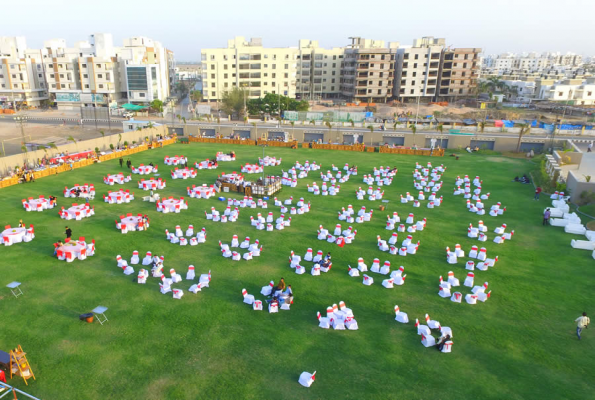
{"points": [[21, 120]]}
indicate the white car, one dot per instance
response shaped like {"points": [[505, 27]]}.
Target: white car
{"points": [[127, 114]]}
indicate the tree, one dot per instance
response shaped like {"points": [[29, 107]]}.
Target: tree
{"points": [[233, 101], [71, 139], [440, 128], [312, 122], [53, 145], [139, 128], [525, 128], [413, 128], [351, 122], [119, 138], [395, 125], [182, 89], [482, 126], [157, 105], [196, 95]]}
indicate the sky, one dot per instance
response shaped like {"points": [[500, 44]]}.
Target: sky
{"points": [[184, 26]]}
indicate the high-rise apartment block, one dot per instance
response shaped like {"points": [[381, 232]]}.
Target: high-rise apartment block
{"points": [[91, 73], [364, 71]]}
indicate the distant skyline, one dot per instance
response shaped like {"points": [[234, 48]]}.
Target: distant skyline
{"points": [[185, 27]]}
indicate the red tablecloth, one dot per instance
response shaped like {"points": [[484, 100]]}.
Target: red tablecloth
{"points": [[73, 157]]}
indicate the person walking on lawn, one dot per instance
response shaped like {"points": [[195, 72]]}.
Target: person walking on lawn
{"points": [[537, 192], [121, 162], [68, 232], [582, 323], [546, 216]]}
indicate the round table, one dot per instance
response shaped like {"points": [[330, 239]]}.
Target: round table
{"points": [[130, 222], [183, 173], [175, 160], [89, 190], [119, 178], [71, 247], [232, 178], [15, 235], [203, 191], [145, 169], [45, 203], [81, 208], [171, 204], [125, 197]]}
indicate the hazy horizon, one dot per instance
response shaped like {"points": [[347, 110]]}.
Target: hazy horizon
{"points": [[499, 27]]}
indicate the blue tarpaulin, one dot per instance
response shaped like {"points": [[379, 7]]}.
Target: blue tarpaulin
{"points": [[568, 127], [533, 123], [369, 114], [547, 127], [507, 123], [469, 121]]}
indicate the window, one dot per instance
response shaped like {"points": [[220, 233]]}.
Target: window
{"points": [[137, 78], [61, 75], [225, 84], [107, 76], [416, 56], [101, 86], [212, 84], [224, 76], [53, 85], [415, 65], [332, 88], [414, 74], [273, 75], [286, 66], [84, 76], [3, 86], [99, 76], [86, 86], [224, 66], [1, 76], [212, 76], [83, 65], [212, 57], [413, 82], [412, 91], [379, 91], [266, 65], [333, 80], [62, 86], [141, 95], [212, 94], [39, 75], [212, 66], [589, 93], [97, 65], [51, 66], [333, 73], [274, 66], [286, 75]]}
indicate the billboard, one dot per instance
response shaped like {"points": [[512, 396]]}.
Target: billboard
{"points": [[202, 109], [331, 116]]}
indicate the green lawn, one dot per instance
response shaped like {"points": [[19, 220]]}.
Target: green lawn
{"points": [[520, 344]]}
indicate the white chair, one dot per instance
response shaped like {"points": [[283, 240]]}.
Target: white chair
{"points": [[148, 259], [388, 283], [361, 265], [307, 379], [248, 298], [421, 329], [452, 280], [456, 297], [323, 322], [471, 298], [273, 308], [483, 296], [205, 279], [190, 274], [431, 323], [337, 324], [401, 316], [447, 346], [469, 279], [353, 272], [400, 280], [428, 340], [257, 305], [315, 270], [444, 292], [267, 290], [368, 280]]}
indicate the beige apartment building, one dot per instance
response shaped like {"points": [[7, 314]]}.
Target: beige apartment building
{"points": [[22, 79], [368, 71], [318, 71], [251, 66], [458, 74]]}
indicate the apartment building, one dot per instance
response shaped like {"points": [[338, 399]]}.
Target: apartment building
{"points": [[417, 69], [368, 71], [91, 73], [570, 91], [318, 71], [458, 73], [21, 74], [249, 65]]}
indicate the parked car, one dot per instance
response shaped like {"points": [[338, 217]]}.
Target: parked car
{"points": [[128, 114]]}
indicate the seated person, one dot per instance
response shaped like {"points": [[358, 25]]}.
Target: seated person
{"points": [[468, 149], [57, 246], [151, 164], [476, 148], [286, 296], [441, 341], [516, 179], [277, 290]]}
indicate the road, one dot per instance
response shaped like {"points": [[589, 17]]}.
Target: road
{"points": [[116, 123]]}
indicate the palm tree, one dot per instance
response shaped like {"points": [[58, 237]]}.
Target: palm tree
{"points": [[525, 128], [53, 145], [312, 122], [395, 125], [119, 139], [440, 128], [482, 126], [371, 128], [139, 128], [413, 128], [351, 122], [292, 126], [71, 139], [245, 119]]}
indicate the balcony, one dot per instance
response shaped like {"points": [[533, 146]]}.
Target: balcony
{"points": [[434, 65], [361, 67], [433, 74], [446, 65], [362, 75]]}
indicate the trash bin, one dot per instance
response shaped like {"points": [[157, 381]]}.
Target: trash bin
{"points": [[86, 317]]}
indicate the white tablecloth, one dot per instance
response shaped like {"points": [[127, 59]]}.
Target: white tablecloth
{"points": [[174, 160], [151, 184], [119, 178], [130, 222], [125, 197], [184, 173], [71, 247], [171, 204], [144, 169], [80, 208], [88, 190], [45, 203], [15, 235], [203, 191]]}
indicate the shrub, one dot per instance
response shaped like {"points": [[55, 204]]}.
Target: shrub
{"points": [[125, 142], [111, 146]]}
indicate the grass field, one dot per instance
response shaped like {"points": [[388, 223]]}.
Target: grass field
{"points": [[520, 344]]}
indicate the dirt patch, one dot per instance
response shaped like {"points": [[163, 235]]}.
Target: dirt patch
{"points": [[503, 159]]}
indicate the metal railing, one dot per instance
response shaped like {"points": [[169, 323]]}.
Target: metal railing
{"points": [[7, 389]]}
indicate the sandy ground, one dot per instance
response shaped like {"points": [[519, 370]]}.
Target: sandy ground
{"points": [[10, 135]]}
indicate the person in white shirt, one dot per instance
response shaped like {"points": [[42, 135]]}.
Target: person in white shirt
{"points": [[582, 322]]}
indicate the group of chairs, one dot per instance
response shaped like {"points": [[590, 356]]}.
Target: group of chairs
{"points": [[29, 235], [88, 249]]}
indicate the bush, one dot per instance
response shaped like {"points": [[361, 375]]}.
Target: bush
{"points": [[97, 150], [125, 142], [111, 146]]}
